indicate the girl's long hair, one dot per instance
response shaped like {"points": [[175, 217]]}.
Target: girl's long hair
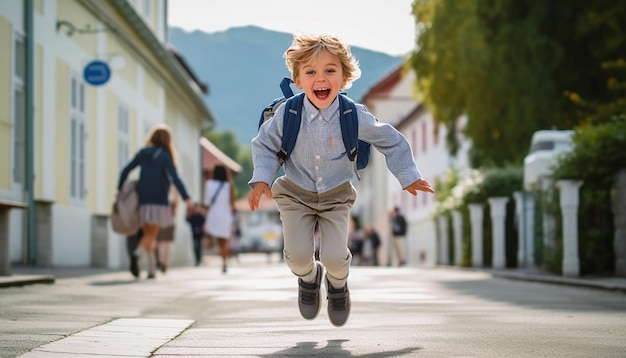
{"points": [[161, 136]]}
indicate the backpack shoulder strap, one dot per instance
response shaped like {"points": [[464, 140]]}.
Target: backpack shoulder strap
{"points": [[349, 120], [291, 126], [219, 187], [268, 112], [349, 125], [285, 86]]}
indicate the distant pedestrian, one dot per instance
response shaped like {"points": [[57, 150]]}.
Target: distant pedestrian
{"points": [[356, 241], [157, 161], [316, 187], [398, 236], [165, 237], [196, 217], [132, 242], [220, 202], [374, 240], [235, 241]]}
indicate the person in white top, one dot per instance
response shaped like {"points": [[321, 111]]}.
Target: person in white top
{"points": [[219, 200]]}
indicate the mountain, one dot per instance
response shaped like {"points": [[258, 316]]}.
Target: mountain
{"points": [[243, 67]]}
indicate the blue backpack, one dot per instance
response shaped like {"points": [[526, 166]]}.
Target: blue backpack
{"points": [[355, 148]]}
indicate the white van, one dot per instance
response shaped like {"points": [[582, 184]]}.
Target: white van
{"points": [[545, 148]]}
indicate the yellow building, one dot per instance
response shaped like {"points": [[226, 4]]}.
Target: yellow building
{"points": [[69, 124]]}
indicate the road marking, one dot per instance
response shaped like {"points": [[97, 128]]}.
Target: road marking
{"points": [[129, 337]]}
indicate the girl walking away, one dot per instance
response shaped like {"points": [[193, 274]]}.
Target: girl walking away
{"points": [[316, 187], [157, 160], [219, 200]]}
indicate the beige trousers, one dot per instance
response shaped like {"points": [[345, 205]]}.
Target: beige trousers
{"points": [[299, 210], [399, 245]]}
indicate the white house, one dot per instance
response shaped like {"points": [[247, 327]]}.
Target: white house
{"points": [[392, 100]]}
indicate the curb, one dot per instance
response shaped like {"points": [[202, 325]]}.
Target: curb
{"points": [[23, 280], [604, 285]]}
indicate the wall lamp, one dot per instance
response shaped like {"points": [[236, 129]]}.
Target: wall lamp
{"points": [[71, 29]]}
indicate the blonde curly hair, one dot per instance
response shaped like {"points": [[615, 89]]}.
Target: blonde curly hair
{"points": [[307, 48]]}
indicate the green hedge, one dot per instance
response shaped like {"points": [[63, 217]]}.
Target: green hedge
{"points": [[597, 157]]}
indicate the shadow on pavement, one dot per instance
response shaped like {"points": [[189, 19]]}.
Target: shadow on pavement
{"points": [[114, 282], [539, 295], [61, 272], [333, 349]]}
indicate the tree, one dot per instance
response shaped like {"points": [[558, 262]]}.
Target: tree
{"points": [[512, 66], [227, 142]]}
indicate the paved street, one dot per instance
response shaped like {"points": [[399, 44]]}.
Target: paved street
{"points": [[252, 312]]}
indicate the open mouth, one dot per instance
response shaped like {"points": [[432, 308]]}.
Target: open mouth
{"points": [[322, 93]]}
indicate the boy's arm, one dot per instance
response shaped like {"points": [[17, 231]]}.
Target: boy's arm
{"points": [[392, 144]]}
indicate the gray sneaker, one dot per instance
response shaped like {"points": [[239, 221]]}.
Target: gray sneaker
{"points": [[309, 301], [338, 304]]}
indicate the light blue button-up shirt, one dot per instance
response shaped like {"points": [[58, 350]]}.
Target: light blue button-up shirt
{"points": [[319, 162]]}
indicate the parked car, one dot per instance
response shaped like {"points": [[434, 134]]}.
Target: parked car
{"points": [[263, 237], [545, 148]]}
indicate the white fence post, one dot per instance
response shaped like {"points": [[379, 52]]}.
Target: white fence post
{"points": [[498, 218], [521, 229], [529, 229], [457, 225], [443, 237], [476, 220], [569, 209]]}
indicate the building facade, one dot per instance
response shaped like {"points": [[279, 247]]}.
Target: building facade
{"points": [[392, 100], [81, 84]]}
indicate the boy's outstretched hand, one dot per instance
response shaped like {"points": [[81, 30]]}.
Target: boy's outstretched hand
{"points": [[421, 185], [258, 189]]}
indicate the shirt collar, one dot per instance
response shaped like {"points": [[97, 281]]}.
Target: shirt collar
{"points": [[311, 112]]}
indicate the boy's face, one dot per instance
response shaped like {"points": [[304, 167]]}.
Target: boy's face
{"points": [[321, 79]]}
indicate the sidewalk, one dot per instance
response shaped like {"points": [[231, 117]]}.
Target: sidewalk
{"points": [[26, 275], [444, 311]]}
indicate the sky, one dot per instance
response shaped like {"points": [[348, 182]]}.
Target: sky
{"points": [[380, 25]]}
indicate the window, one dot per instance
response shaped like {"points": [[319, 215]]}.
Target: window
{"points": [[147, 126], [78, 135], [19, 110], [147, 8], [144, 7], [546, 145], [122, 136]]}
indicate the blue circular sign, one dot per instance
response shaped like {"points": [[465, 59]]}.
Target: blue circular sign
{"points": [[97, 73]]}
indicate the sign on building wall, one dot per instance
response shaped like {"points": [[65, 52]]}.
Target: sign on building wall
{"points": [[97, 73]]}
